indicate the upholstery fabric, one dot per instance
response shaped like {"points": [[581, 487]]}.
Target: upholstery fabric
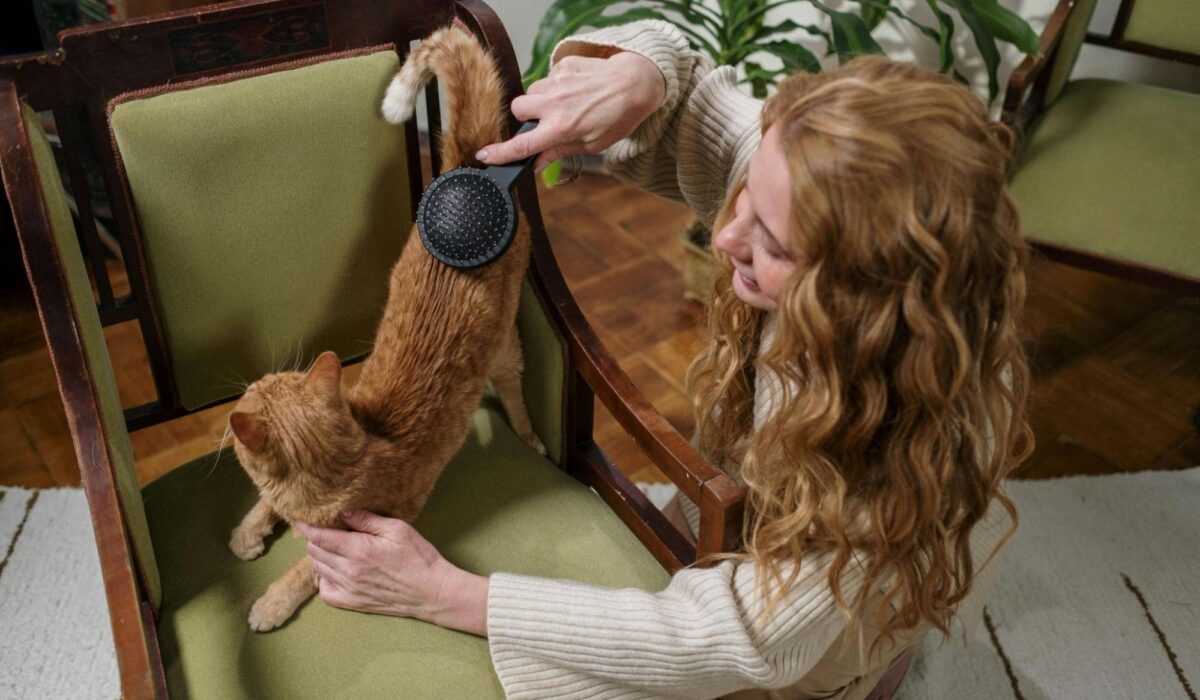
{"points": [[271, 208], [545, 372], [498, 507], [1168, 24], [1068, 51], [1114, 168], [96, 350]]}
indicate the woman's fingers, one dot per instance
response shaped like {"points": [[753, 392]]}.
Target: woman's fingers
{"points": [[335, 541], [529, 106], [326, 557], [518, 147]]}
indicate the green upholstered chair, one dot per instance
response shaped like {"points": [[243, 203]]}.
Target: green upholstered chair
{"points": [[1107, 172], [260, 201]]}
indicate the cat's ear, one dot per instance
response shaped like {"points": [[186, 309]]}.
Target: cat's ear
{"points": [[326, 374], [249, 430]]}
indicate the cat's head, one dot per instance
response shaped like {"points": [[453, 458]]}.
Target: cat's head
{"points": [[294, 424]]}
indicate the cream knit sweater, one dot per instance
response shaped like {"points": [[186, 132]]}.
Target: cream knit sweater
{"points": [[697, 638]]}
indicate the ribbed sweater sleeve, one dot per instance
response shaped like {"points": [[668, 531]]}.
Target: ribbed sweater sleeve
{"points": [[699, 141], [697, 638]]}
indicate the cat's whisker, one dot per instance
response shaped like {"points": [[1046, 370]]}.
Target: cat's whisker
{"points": [[299, 354], [221, 444]]}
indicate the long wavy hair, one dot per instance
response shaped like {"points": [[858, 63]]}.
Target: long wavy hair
{"points": [[902, 385]]}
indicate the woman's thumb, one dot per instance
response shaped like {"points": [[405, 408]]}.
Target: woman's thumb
{"points": [[365, 521]]}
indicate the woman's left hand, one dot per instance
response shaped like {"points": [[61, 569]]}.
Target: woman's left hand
{"points": [[382, 565]]}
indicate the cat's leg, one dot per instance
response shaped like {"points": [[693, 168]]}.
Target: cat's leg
{"points": [[284, 597], [248, 538], [507, 365]]}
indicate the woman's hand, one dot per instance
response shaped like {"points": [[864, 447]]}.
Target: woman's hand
{"points": [[584, 105], [381, 565]]}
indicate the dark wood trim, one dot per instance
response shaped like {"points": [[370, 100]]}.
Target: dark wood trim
{"points": [[1121, 21], [1134, 272], [71, 133], [433, 117], [58, 315], [1028, 73], [123, 309], [134, 257], [1143, 49], [651, 527]]}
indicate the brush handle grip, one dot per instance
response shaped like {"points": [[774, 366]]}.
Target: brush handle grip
{"points": [[505, 175]]}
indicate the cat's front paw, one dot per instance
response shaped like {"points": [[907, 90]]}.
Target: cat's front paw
{"points": [[246, 545], [269, 612], [535, 442]]}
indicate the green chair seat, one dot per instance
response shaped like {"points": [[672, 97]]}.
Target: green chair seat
{"points": [[1114, 169], [499, 506]]}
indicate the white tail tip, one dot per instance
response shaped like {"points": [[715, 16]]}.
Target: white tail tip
{"points": [[401, 98]]}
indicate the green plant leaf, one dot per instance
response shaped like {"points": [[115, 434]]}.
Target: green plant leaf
{"points": [[738, 21], [985, 41], [794, 56], [567, 17], [1007, 26], [873, 13], [945, 37], [697, 14], [552, 172], [888, 9], [553, 28], [850, 36], [759, 78]]}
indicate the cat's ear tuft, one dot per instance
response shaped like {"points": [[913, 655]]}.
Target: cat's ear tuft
{"points": [[249, 430], [326, 374]]}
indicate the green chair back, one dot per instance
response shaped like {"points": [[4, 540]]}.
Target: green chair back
{"points": [[1166, 24], [270, 209], [1068, 50]]}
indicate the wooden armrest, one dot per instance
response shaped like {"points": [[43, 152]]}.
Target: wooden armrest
{"points": [[1025, 74], [132, 621]]}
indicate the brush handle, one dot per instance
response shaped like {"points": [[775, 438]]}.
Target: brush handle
{"points": [[505, 175]]}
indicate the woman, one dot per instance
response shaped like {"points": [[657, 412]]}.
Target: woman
{"points": [[862, 379]]}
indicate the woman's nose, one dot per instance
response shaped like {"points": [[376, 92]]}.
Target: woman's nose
{"points": [[731, 240]]}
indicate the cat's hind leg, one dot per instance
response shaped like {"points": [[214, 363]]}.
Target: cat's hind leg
{"points": [[248, 539], [284, 597], [507, 365]]}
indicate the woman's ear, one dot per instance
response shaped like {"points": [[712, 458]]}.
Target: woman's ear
{"points": [[249, 430], [326, 374]]}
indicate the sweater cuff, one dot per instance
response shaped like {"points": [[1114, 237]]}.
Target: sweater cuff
{"points": [[660, 42], [525, 615], [717, 112]]}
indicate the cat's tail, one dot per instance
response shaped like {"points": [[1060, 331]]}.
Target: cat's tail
{"points": [[472, 86]]}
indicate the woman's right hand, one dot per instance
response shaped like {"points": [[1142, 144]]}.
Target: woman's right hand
{"points": [[583, 106]]}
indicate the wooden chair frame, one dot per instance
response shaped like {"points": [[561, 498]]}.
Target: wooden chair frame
{"points": [[1025, 101], [98, 63]]}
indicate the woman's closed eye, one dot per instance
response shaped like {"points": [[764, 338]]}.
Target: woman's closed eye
{"points": [[770, 246]]}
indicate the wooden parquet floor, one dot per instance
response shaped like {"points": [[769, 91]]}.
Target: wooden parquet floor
{"points": [[1117, 365]]}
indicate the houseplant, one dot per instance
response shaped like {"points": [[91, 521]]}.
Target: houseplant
{"points": [[739, 33]]}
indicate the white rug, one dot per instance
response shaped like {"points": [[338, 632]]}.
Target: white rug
{"points": [[1099, 597], [56, 641]]}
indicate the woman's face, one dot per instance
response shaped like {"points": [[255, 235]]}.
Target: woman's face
{"points": [[756, 239]]}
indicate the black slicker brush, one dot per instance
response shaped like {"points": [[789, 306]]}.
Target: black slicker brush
{"points": [[467, 217]]}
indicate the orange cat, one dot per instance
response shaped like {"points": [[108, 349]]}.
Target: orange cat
{"points": [[313, 451]]}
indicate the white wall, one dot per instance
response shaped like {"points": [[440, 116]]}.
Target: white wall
{"points": [[521, 18]]}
